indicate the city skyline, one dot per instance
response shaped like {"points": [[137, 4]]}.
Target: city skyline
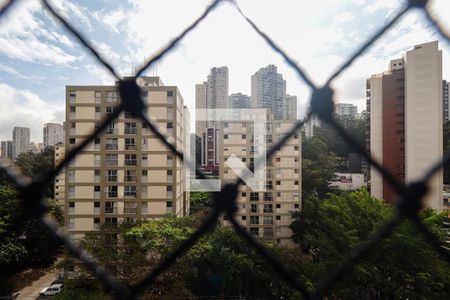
{"points": [[33, 77]]}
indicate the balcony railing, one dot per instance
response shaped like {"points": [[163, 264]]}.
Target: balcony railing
{"points": [[130, 130], [129, 178], [112, 146], [129, 210], [112, 194], [110, 210], [130, 162]]}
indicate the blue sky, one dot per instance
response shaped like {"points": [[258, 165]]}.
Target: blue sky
{"points": [[38, 58]]}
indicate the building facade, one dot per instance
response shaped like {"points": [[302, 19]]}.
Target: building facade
{"points": [[211, 94], [290, 108], [445, 110], [126, 174], [7, 149], [268, 90], [60, 179], [346, 110], [266, 214], [53, 134], [21, 139], [405, 123]]}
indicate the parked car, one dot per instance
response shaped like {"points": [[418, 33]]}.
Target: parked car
{"points": [[51, 290]]}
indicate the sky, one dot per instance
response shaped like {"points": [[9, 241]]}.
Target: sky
{"points": [[38, 58]]}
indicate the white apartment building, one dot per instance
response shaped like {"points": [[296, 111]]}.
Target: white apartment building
{"points": [[126, 174], [346, 110], [21, 139], [268, 90], [290, 108], [53, 134], [266, 214]]}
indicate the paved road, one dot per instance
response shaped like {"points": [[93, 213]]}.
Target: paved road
{"points": [[31, 292]]}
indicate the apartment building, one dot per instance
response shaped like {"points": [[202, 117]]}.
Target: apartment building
{"points": [[290, 108], [7, 149], [268, 90], [126, 174], [346, 110], [53, 134], [266, 214], [211, 94], [405, 122], [21, 139]]}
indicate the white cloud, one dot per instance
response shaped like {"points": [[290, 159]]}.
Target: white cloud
{"points": [[25, 108], [344, 17], [25, 36], [99, 75], [113, 20]]}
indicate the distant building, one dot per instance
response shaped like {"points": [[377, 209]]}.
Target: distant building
{"points": [[269, 91], [211, 94], [445, 99], [290, 108], [405, 124], [348, 181], [239, 101], [21, 139], [311, 125], [53, 134], [34, 148], [346, 110], [7, 149]]}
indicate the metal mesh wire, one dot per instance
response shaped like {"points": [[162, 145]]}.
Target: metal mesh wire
{"points": [[321, 105]]}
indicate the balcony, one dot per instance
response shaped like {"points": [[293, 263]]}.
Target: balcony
{"points": [[130, 162], [96, 210], [112, 194], [268, 232], [111, 162], [129, 195], [112, 147], [71, 210], [130, 178], [71, 194], [130, 147], [112, 131], [111, 210], [97, 195], [131, 130]]}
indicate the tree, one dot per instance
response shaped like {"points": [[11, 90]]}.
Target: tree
{"points": [[318, 167], [402, 266], [200, 201], [446, 144], [23, 242], [38, 165]]}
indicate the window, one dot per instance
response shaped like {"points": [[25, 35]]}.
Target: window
{"points": [[169, 124], [254, 220], [244, 218], [295, 171], [111, 109], [130, 175], [169, 93], [130, 159], [97, 188], [254, 231], [169, 188], [244, 194], [278, 206], [144, 172], [225, 125], [130, 144], [73, 125], [244, 124], [111, 159], [72, 141], [169, 204], [278, 182], [253, 208], [111, 175], [71, 204], [296, 206], [278, 159], [244, 136], [111, 144], [98, 109], [129, 191], [278, 217], [111, 191], [296, 182], [268, 196], [268, 208], [225, 136], [254, 196], [111, 96], [72, 109], [130, 128], [244, 159]]}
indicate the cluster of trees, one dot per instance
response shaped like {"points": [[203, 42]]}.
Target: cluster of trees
{"points": [[23, 242], [221, 264]]}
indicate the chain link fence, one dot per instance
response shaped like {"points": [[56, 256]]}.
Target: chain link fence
{"points": [[321, 104]]}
